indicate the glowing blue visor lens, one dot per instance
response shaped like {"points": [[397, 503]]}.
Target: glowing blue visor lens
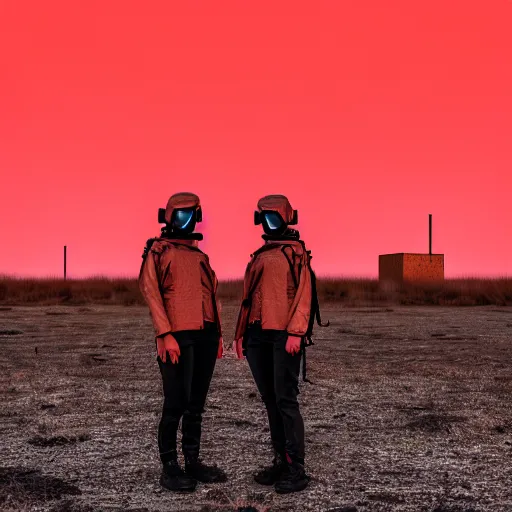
{"points": [[273, 220], [183, 218]]}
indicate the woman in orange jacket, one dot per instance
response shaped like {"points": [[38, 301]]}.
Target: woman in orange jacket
{"points": [[179, 287], [275, 319]]}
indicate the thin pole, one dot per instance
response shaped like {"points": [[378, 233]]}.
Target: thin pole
{"points": [[65, 261], [430, 234]]}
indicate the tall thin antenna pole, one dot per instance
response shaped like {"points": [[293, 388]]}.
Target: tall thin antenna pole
{"points": [[65, 261], [430, 234]]}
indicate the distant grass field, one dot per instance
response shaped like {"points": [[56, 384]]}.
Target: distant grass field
{"points": [[350, 292]]}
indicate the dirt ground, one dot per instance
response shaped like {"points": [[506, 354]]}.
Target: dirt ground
{"points": [[410, 409]]}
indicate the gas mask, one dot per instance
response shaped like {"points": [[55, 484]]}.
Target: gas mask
{"points": [[184, 220], [275, 214], [180, 216], [272, 223]]}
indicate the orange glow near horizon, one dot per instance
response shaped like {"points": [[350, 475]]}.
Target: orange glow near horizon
{"points": [[368, 115]]}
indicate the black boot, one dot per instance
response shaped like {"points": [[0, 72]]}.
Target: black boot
{"points": [[294, 479], [174, 479], [271, 474], [194, 468]]}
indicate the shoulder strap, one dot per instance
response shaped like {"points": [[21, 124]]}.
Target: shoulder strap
{"points": [[149, 243], [315, 309], [247, 301], [213, 297], [290, 259], [314, 315], [291, 263], [145, 253]]}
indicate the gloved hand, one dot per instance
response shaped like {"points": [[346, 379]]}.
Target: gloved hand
{"points": [[220, 350], [293, 344], [168, 345], [237, 348]]}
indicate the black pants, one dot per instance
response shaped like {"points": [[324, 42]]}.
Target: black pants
{"points": [[185, 386], [276, 374]]}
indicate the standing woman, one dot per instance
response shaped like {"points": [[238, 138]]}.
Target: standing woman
{"points": [[275, 320], [179, 287]]}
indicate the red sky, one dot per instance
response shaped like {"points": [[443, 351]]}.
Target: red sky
{"points": [[368, 114]]}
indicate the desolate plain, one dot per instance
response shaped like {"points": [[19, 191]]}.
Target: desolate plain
{"points": [[410, 409]]}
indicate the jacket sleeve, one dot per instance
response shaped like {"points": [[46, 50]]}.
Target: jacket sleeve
{"points": [[250, 277], [215, 283], [300, 310], [149, 284]]}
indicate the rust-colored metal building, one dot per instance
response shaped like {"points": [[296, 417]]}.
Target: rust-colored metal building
{"points": [[409, 267]]}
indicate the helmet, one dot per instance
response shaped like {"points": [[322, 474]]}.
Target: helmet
{"points": [[182, 213], [275, 213]]}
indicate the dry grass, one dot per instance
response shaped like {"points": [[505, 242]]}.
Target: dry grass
{"points": [[350, 292], [453, 292]]}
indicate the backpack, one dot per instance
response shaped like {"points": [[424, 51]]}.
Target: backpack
{"points": [[314, 313]]}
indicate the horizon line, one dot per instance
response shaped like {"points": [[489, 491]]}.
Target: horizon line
{"points": [[113, 277]]}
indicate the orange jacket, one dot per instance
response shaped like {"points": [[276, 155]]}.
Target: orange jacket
{"points": [[277, 289], [179, 286]]}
